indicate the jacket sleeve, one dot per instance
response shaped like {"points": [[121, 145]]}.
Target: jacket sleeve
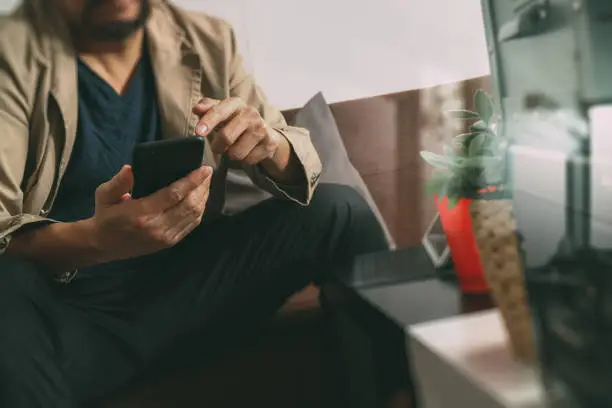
{"points": [[243, 85], [14, 142]]}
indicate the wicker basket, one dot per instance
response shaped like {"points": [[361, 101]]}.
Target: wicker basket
{"points": [[495, 230]]}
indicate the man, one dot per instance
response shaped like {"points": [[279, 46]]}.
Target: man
{"points": [[98, 288]]}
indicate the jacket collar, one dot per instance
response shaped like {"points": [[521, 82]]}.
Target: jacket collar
{"points": [[175, 63]]}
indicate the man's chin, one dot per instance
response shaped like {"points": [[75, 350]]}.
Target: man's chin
{"points": [[115, 32]]}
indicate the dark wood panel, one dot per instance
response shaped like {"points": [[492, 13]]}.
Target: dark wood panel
{"points": [[398, 196], [380, 133]]}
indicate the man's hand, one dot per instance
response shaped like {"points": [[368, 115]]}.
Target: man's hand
{"points": [[124, 227], [241, 131], [243, 134]]}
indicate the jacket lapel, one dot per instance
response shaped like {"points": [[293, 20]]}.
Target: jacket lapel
{"points": [[175, 71], [178, 75], [64, 83]]}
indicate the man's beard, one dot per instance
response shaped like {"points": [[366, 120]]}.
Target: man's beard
{"points": [[112, 31]]}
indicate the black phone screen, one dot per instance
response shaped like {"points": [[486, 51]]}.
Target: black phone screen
{"points": [[158, 164]]}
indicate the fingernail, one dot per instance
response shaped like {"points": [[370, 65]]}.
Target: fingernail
{"points": [[201, 130]]}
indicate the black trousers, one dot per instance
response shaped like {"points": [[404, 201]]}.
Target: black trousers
{"points": [[72, 345]]}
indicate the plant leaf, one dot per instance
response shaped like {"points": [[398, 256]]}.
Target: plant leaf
{"points": [[454, 186], [436, 184], [484, 106], [494, 173], [463, 114], [492, 146], [481, 162], [462, 141], [444, 189], [470, 175], [435, 160], [449, 152], [477, 144], [453, 201], [480, 126]]}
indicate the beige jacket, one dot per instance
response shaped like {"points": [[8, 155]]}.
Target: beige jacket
{"points": [[193, 55]]}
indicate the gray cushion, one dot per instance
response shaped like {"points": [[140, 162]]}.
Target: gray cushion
{"points": [[241, 193], [316, 116]]}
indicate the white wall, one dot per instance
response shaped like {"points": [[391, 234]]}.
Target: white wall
{"points": [[385, 46], [6, 5], [352, 48]]}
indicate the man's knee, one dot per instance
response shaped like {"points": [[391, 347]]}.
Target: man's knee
{"points": [[345, 209], [337, 197]]}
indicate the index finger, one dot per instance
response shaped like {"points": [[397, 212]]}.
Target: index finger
{"points": [[176, 192], [218, 114], [204, 106]]}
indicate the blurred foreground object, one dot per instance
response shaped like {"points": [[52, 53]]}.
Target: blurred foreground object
{"points": [[550, 61]]}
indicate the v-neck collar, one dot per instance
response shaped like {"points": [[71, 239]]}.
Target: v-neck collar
{"points": [[107, 87]]}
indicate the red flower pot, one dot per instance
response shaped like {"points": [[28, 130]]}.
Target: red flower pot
{"points": [[457, 225]]}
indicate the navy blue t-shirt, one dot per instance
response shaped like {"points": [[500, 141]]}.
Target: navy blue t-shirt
{"points": [[109, 126]]}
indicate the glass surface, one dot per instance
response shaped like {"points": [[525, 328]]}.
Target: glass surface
{"points": [[435, 243], [548, 78], [436, 237]]}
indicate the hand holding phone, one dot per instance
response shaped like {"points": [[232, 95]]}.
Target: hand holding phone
{"points": [[171, 189], [125, 228]]}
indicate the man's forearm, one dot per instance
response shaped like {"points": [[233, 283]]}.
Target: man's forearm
{"points": [[60, 246]]}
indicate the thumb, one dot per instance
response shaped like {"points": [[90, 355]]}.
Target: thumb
{"points": [[116, 189]]}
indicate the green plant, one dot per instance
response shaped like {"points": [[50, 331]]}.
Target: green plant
{"points": [[476, 160]]}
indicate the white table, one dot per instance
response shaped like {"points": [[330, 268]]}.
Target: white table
{"points": [[465, 362]]}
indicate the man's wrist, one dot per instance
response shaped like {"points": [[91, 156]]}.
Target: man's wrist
{"points": [[282, 167], [60, 246], [88, 233]]}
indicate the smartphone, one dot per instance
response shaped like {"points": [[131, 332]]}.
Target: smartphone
{"points": [[156, 165]]}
